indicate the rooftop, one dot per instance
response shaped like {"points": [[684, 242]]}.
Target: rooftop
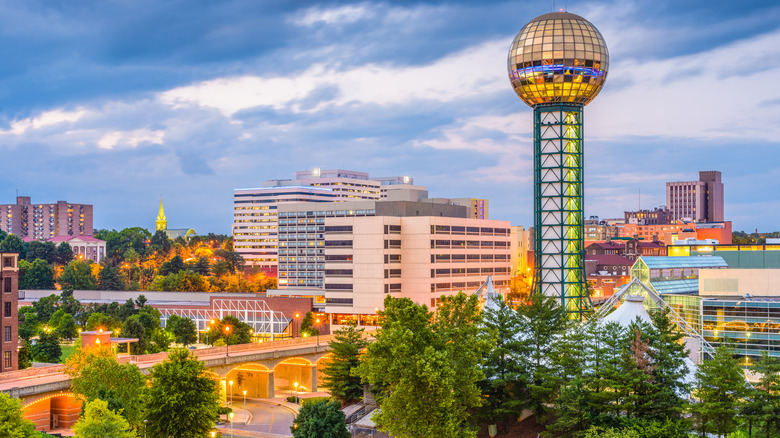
{"points": [[665, 262]]}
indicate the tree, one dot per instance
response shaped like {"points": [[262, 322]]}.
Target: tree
{"points": [[543, 320], [99, 421], [47, 348], [77, 275], [160, 242], [39, 275], [108, 279], [172, 266], [720, 388], [96, 374], [763, 403], [345, 351], [64, 253], [220, 268], [668, 355], [239, 333], [25, 355], [181, 384], [133, 328], [12, 243], [426, 372], [12, 423], [307, 325], [29, 325], [182, 329], [320, 419], [66, 328], [504, 381]]}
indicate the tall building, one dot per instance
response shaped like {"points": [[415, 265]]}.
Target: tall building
{"points": [[656, 216], [353, 254], [43, 221], [557, 64], [9, 303], [255, 222], [697, 201]]}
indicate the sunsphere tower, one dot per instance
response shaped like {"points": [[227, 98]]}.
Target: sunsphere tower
{"points": [[558, 63]]}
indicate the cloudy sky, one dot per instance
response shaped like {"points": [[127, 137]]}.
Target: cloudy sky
{"points": [[117, 102]]}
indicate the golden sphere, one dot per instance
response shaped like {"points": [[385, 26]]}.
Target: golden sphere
{"points": [[558, 58]]}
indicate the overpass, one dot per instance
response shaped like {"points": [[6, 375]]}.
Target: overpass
{"points": [[263, 370]]}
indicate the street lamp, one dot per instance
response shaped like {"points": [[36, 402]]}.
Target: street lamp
{"points": [[231, 394], [145, 428], [227, 340], [318, 331], [244, 402], [297, 399], [231, 424], [295, 321]]}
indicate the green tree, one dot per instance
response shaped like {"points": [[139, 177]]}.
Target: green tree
{"points": [[504, 381], [307, 325], [181, 384], [77, 275], [763, 404], [133, 328], [599, 432], [220, 268], [720, 388], [39, 275], [64, 253], [47, 348], [160, 242], [12, 423], [29, 325], [99, 421], [668, 356], [67, 326], [96, 374], [182, 329], [345, 351], [320, 419], [426, 372], [239, 333], [543, 321], [109, 279], [25, 355], [12, 243]]}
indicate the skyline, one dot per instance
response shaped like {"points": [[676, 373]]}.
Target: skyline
{"points": [[115, 105]]}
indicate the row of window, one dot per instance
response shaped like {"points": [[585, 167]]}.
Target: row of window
{"points": [[447, 257], [474, 231], [454, 244], [467, 271], [328, 213]]}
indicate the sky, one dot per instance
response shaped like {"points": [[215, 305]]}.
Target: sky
{"points": [[118, 102]]}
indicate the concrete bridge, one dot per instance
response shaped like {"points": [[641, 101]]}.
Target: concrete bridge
{"points": [[263, 370]]}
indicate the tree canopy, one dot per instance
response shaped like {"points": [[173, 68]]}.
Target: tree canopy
{"points": [[320, 419]]}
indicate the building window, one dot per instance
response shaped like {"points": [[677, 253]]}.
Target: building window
{"points": [[7, 311], [7, 284], [7, 333], [6, 359]]}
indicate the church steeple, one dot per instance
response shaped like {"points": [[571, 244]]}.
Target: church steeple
{"points": [[161, 223]]}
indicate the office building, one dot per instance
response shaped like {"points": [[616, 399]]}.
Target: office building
{"points": [[596, 229], [668, 234], [255, 233], [696, 201], [43, 221], [656, 216], [9, 305], [353, 254]]}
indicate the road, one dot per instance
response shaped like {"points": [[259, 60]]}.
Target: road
{"points": [[266, 417]]}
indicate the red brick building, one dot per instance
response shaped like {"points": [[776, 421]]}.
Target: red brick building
{"points": [[9, 304]]}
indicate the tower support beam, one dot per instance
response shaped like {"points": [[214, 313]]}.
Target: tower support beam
{"points": [[558, 195]]}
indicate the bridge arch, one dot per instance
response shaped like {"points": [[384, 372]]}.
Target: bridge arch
{"points": [[252, 380], [52, 411]]}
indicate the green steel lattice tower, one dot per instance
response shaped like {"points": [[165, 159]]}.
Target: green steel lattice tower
{"points": [[558, 63]]}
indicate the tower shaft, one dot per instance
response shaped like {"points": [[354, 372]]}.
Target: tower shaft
{"points": [[558, 210]]}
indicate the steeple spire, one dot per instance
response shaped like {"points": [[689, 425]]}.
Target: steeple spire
{"points": [[161, 223]]}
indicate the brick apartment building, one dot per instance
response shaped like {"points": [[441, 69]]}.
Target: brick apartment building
{"points": [[9, 304], [44, 221]]}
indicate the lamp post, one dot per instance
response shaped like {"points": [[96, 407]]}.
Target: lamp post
{"points": [[145, 428], [295, 322], [231, 424], [296, 392], [318, 332], [231, 394], [245, 402], [227, 340], [212, 322]]}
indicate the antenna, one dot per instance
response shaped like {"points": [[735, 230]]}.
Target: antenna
{"points": [[639, 198], [553, 8]]}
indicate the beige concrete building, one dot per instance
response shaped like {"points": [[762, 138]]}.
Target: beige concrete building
{"points": [[697, 201], [739, 282]]}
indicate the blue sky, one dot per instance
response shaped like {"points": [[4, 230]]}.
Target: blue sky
{"points": [[115, 103]]}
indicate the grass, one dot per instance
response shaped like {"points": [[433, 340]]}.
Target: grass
{"points": [[67, 350]]}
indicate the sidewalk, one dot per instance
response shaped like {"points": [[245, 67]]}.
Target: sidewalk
{"points": [[240, 416]]}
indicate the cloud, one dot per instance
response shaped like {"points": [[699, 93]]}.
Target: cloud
{"points": [[341, 15], [130, 138], [474, 71], [45, 119]]}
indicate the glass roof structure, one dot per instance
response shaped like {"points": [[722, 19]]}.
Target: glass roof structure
{"points": [[663, 262], [674, 275], [677, 286]]}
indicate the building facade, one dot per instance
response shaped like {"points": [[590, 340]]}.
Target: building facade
{"points": [[656, 216], [9, 303], [84, 247], [43, 221], [697, 201], [255, 224], [668, 234], [357, 253]]}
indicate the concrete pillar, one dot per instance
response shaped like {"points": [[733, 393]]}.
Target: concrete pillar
{"points": [[314, 377], [223, 389], [271, 384]]}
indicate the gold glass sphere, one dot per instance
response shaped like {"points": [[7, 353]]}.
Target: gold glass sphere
{"points": [[558, 58]]}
